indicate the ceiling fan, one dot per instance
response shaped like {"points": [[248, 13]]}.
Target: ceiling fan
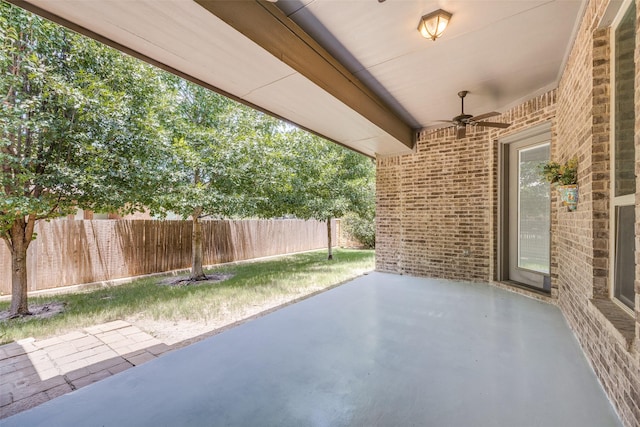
{"points": [[463, 120]]}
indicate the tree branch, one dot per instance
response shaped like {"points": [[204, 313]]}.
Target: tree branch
{"points": [[28, 232]]}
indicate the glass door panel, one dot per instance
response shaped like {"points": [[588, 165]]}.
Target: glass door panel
{"points": [[533, 212], [625, 266], [528, 212]]}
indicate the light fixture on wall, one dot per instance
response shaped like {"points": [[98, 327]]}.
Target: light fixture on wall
{"points": [[433, 24]]}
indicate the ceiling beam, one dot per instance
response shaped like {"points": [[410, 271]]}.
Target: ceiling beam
{"points": [[266, 25]]}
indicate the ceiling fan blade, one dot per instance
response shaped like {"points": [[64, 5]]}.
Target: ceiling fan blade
{"points": [[493, 125], [461, 132], [485, 116]]}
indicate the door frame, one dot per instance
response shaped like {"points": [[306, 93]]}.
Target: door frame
{"points": [[502, 262]]}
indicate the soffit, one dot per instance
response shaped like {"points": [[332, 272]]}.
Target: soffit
{"points": [[501, 51]]}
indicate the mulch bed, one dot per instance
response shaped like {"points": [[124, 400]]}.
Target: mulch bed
{"points": [[184, 280], [40, 311], [50, 309]]}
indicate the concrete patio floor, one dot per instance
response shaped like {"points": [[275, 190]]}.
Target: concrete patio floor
{"points": [[382, 350]]}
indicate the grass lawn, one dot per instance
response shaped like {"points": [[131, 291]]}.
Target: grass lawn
{"points": [[253, 287]]}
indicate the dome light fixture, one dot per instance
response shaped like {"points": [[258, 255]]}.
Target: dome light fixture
{"points": [[433, 24]]}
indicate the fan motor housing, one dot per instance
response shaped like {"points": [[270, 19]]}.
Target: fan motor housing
{"points": [[462, 118]]}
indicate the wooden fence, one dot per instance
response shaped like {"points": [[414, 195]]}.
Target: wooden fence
{"points": [[69, 252]]}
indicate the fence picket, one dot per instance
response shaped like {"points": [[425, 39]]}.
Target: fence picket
{"points": [[69, 252]]}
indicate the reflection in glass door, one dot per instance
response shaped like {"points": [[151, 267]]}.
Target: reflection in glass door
{"points": [[533, 210], [529, 213]]}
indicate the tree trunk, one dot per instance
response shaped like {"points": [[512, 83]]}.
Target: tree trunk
{"points": [[196, 247], [329, 245], [20, 237]]}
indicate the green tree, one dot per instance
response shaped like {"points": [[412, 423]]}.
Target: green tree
{"points": [[77, 131], [361, 225], [324, 181], [217, 168]]}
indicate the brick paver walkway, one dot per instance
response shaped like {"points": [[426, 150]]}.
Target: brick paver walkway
{"points": [[32, 371]]}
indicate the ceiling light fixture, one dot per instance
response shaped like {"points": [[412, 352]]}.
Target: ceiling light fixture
{"points": [[433, 24]]}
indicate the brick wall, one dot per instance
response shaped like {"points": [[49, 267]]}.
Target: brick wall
{"points": [[388, 214], [437, 209], [445, 183], [605, 331]]}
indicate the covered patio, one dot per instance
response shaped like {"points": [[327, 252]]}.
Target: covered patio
{"points": [[381, 350], [559, 81]]}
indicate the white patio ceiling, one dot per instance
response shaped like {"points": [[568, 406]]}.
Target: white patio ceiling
{"points": [[370, 82]]}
